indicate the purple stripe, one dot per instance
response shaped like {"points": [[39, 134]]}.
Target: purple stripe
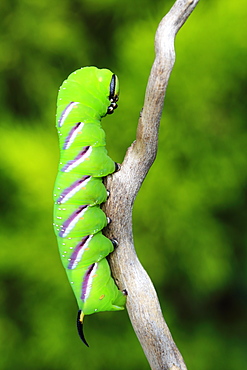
{"points": [[72, 189], [65, 228], [78, 249], [85, 282], [77, 158], [65, 113], [68, 141]]}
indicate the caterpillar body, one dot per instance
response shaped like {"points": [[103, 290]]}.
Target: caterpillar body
{"points": [[84, 98]]}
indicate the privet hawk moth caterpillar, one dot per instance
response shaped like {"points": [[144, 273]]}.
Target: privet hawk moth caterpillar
{"points": [[83, 99]]}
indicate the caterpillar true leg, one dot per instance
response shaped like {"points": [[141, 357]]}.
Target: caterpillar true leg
{"points": [[117, 167], [114, 243]]}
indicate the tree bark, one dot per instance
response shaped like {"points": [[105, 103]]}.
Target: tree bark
{"points": [[142, 302]]}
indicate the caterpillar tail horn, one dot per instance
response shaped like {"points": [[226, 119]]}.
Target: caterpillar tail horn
{"points": [[80, 317]]}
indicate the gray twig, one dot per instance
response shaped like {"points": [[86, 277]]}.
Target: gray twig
{"points": [[142, 302]]}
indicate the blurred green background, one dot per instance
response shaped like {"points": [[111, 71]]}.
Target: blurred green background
{"points": [[190, 215]]}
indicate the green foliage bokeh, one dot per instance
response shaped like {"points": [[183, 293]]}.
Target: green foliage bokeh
{"points": [[190, 215]]}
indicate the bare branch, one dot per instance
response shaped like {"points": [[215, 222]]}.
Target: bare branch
{"points": [[142, 302]]}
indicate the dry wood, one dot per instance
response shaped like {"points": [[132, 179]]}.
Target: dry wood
{"points": [[142, 302]]}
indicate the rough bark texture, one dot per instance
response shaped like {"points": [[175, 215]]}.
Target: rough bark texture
{"points": [[142, 302]]}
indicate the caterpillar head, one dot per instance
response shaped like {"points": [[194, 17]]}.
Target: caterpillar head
{"points": [[113, 95]]}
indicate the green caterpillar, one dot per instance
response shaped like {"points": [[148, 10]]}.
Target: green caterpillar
{"points": [[83, 99]]}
